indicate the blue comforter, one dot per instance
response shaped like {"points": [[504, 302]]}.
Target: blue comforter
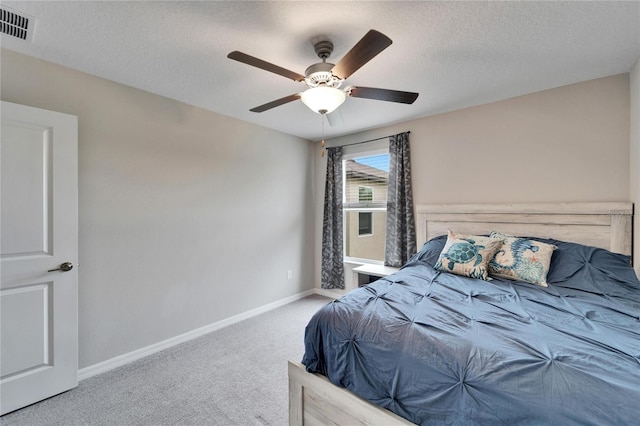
{"points": [[437, 348]]}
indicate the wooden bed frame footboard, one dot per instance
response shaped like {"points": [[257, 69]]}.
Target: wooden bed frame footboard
{"points": [[313, 400]]}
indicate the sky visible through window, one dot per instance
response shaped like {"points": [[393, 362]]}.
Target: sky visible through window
{"points": [[378, 161]]}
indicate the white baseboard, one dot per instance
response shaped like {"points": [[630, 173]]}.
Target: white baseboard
{"points": [[333, 294], [110, 364]]}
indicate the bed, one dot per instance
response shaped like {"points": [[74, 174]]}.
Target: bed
{"points": [[427, 346]]}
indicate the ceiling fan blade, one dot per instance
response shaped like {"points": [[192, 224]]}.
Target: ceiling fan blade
{"points": [[276, 103], [366, 49], [259, 63], [383, 94]]}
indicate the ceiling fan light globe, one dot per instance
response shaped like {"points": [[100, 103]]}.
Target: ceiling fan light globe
{"points": [[325, 99]]}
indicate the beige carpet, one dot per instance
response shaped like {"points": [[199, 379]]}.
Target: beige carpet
{"points": [[233, 376]]}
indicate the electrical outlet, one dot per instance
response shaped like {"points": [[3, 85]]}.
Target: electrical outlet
{"points": [[289, 274]]}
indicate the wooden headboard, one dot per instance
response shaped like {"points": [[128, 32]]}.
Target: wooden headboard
{"points": [[606, 225]]}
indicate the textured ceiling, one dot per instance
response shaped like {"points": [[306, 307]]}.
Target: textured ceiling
{"points": [[455, 54]]}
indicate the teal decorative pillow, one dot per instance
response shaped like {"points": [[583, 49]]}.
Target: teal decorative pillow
{"points": [[468, 255], [521, 259]]}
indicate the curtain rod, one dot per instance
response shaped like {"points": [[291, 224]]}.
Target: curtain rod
{"points": [[370, 140]]}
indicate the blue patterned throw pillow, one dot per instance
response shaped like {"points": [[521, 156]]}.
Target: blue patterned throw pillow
{"points": [[467, 255], [521, 259]]}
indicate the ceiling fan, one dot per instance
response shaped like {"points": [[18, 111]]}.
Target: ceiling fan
{"points": [[324, 79]]}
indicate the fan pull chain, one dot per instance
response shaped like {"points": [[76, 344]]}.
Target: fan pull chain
{"points": [[322, 144]]}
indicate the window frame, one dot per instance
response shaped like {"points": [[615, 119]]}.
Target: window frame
{"points": [[350, 154]]}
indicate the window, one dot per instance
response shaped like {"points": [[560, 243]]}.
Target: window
{"points": [[366, 179], [365, 193], [365, 223]]}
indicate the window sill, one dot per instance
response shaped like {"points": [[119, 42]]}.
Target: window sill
{"points": [[363, 274], [375, 270], [358, 261]]}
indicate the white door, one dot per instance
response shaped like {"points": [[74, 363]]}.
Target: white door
{"points": [[38, 232]]}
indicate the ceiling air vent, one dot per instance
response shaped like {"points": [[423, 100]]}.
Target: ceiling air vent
{"points": [[16, 24]]}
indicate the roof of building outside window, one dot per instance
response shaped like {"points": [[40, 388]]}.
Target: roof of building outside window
{"points": [[358, 170]]}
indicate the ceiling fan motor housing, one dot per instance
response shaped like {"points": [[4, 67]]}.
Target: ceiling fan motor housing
{"points": [[320, 75]]}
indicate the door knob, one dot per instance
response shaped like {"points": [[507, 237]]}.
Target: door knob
{"points": [[64, 267]]}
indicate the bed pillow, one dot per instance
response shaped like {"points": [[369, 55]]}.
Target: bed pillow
{"points": [[593, 270], [468, 255], [430, 251], [521, 259]]}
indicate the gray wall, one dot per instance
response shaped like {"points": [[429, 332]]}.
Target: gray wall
{"points": [[187, 217], [568, 144], [635, 160]]}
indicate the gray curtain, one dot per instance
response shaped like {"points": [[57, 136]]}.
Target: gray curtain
{"points": [[401, 227], [332, 275]]}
